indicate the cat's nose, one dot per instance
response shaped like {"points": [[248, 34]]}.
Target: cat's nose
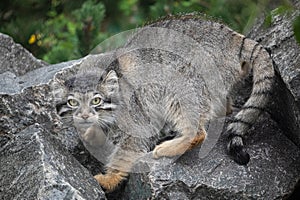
{"points": [[84, 116]]}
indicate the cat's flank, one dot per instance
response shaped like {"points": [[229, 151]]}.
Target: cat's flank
{"points": [[146, 89]]}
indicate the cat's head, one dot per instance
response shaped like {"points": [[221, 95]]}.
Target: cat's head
{"points": [[90, 99]]}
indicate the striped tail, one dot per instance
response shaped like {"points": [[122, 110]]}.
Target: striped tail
{"points": [[263, 75]]}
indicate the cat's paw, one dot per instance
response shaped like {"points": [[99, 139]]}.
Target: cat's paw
{"points": [[178, 146], [94, 136], [157, 152], [168, 149], [88, 135], [107, 182], [111, 180]]}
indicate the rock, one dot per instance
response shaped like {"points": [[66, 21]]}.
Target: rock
{"points": [[36, 163], [12, 83], [14, 58], [279, 40], [271, 174], [35, 166]]}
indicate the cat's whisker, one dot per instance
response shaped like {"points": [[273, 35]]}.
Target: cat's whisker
{"points": [[107, 120], [65, 117], [103, 124]]}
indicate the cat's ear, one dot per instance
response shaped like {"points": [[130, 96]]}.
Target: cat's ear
{"points": [[127, 62], [111, 82], [59, 91]]}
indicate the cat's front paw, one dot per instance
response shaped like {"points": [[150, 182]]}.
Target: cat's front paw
{"points": [[94, 136], [110, 180], [88, 135]]}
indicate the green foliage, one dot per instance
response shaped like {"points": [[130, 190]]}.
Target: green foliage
{"points": [[60, 30], [58, 37], [285, 8], [65, 32], [90, 16], [72, 36], [296, 26]]}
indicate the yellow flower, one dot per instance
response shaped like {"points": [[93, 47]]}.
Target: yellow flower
{"points": [[32, 39]]}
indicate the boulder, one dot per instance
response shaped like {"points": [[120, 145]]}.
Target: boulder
{"points": [[34, 165], [14, 58], [36, 162], [272, 173], [279, 40]]}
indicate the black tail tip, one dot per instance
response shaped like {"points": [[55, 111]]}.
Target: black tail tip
{"points": [[241, 157], [237, 152]]}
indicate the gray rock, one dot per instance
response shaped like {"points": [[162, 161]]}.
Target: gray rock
{"points": [[35, 166], [279, 40], [271, 174], [14, 58], [37, 163], [12, 84]]}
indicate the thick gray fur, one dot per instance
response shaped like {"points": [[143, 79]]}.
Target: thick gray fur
{"points": [[178, 72], [234, 56]]}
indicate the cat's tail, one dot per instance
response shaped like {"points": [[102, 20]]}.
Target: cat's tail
{"points": [[263, 74]]}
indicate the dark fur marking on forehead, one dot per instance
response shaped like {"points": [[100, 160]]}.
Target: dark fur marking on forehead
{"points": [[69, 83], [83, 82]]}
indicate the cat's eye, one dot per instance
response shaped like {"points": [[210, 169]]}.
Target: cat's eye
{"points": [[96, 101], [72, 103]]}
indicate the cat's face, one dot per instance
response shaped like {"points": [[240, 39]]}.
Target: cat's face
{"points": [[86, 107], [91, 100]]}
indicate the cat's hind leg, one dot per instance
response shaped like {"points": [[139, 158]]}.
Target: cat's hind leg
{"points": [[180, 145]]}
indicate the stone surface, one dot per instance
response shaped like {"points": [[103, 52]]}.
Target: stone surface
{"points": [[36, 163], [279, 40], [35, 166], [269, 175], [32, 78], [14, 58]]}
